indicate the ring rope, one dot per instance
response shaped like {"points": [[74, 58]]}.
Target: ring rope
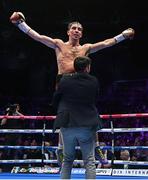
{"points": [[140, 115], [120, 130], [28, 117], [104, 116], [75, 161], [55, 147]]}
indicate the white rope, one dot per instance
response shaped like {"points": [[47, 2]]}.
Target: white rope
{"points": [[131, 162], [33, 131], [29, 147], [76, 161], [108, 130], [120, 130], [55, 147]]}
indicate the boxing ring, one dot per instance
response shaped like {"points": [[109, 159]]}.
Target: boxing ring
{"points": [[44, 172]]}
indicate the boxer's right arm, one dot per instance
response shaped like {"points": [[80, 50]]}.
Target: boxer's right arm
{"points": [[18, 19]]}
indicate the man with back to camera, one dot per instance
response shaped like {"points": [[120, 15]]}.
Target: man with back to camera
{"points": [[77, 116], [66, 52]]}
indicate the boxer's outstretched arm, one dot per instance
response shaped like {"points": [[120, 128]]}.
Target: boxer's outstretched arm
{"points": [[18, 19], [126, 34]]}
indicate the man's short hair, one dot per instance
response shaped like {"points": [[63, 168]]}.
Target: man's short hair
{"points": [[74, 22], [81, 62]]}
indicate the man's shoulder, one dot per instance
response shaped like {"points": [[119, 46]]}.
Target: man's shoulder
{"points": [[79, 75], [68, 75], [90, 76]]}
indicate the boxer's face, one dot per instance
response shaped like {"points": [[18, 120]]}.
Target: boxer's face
{"points": [[75, 31]]}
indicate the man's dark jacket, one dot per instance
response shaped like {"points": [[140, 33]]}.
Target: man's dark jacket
{"points": [[75, 101]]}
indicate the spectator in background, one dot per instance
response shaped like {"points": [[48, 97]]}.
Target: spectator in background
{"points": [[12, 110], [125, 156], [107, 155], [14, 138]]}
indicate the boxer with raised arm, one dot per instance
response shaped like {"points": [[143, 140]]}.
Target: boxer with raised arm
{"points": [[66, 52]]}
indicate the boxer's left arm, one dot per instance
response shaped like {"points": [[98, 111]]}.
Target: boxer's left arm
{"points": [[126, 34]]}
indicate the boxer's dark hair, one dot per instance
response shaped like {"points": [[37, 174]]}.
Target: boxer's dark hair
{"points": [[74, 22]]}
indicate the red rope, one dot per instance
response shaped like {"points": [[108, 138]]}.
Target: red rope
{"points": [[104, 116]]}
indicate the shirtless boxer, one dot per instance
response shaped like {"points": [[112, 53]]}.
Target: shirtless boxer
{"points": [[66, 52]]}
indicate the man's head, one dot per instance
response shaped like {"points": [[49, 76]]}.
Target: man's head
{"points": [[75, 23], [82, 64], [75, 30], [125, 155], [13, 108]]}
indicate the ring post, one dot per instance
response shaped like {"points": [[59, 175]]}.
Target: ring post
{"points": [[43, 142], [112, 141]]}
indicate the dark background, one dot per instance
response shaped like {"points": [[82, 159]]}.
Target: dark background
{"points": [[28, 68]]}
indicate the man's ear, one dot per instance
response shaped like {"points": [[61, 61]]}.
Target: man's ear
{"points": [[68, 32], [88, 68]]}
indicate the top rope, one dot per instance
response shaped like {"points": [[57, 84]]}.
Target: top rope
{"points": [[104, 116]]}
